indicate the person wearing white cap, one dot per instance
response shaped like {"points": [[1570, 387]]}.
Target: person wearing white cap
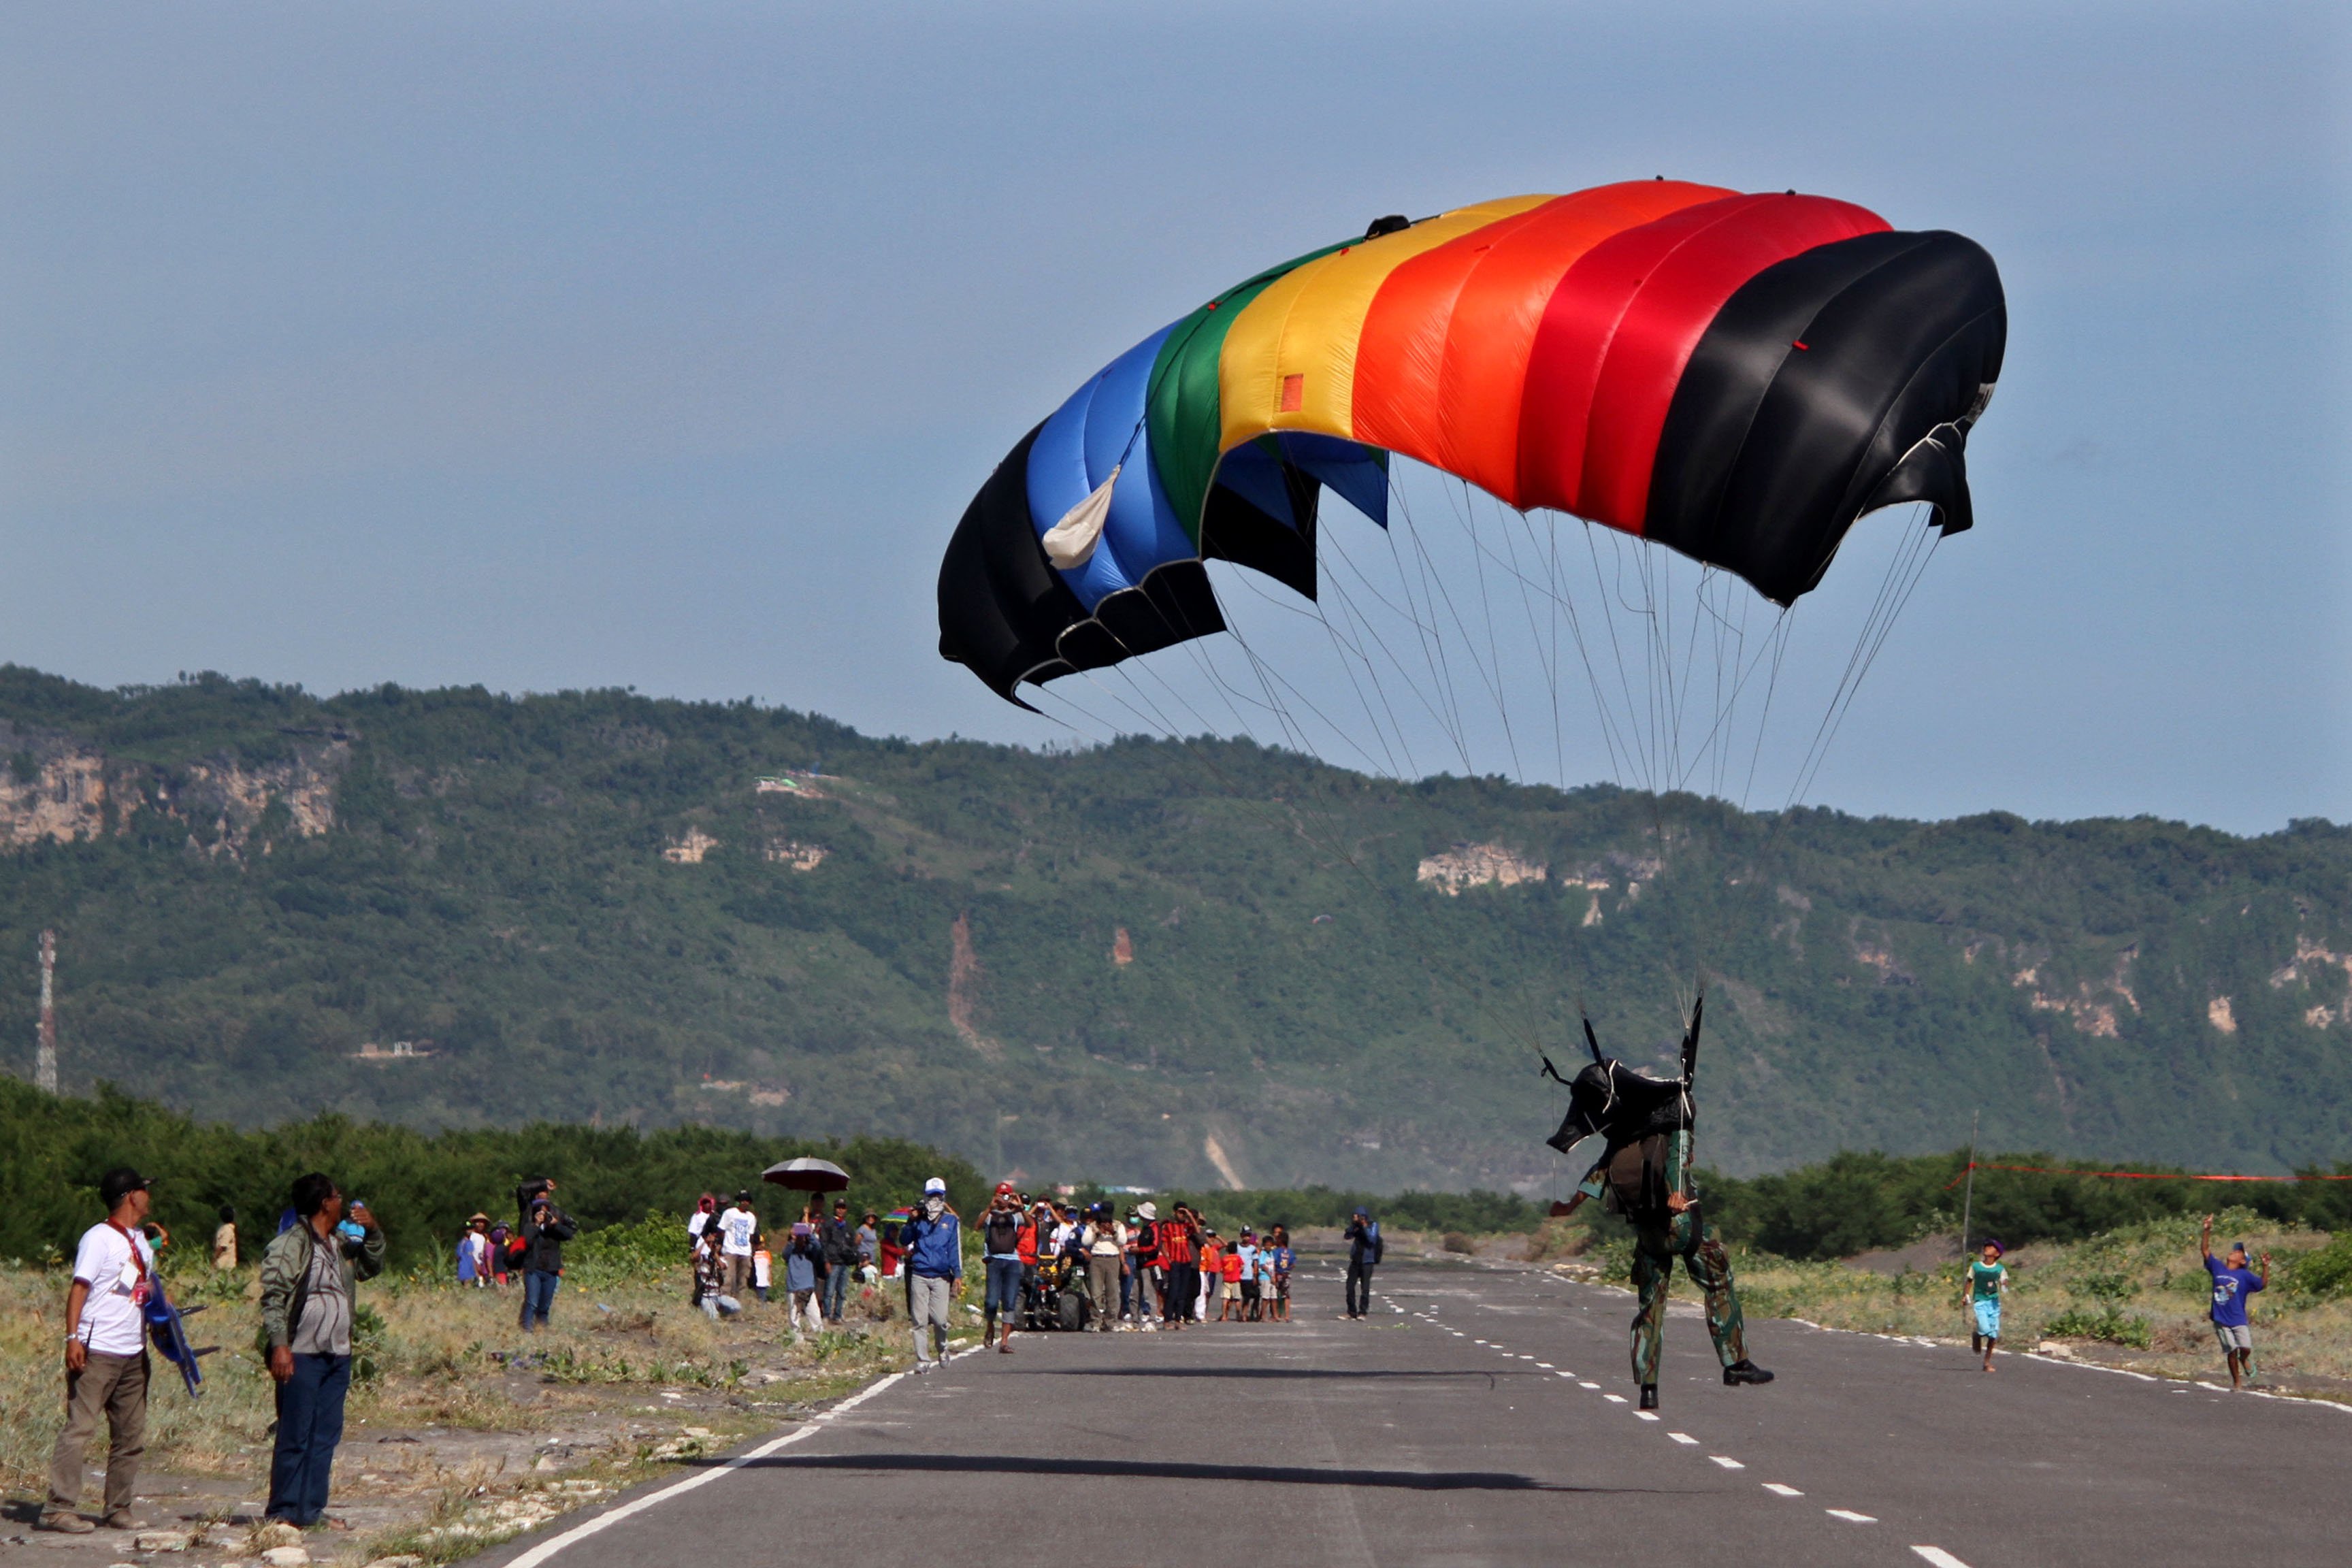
{"points": [[934, 1244]]}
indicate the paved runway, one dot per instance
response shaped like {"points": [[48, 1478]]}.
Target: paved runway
{"points": [[1484, 1417]]}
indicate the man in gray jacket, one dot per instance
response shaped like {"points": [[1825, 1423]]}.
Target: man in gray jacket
{"points": [[307, 1278]]}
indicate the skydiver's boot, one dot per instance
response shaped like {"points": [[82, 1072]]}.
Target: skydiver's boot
{"points": [[1741, 1371], [1650, 1394]]}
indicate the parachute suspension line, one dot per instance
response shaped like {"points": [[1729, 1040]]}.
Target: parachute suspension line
{"points": [[1637, 747], [1776, 644], [1355, 647], [1912, 566], [1433, 702], [1551, 660], [1903, 573], [1720, 736], [1367, 631], [1432, 647], [1432, 589], [1379, 735], [1564, 606], [1549, 651], [1466, 521]]}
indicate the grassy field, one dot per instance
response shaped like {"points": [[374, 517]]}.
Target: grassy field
{"points": [[461, 1432]]}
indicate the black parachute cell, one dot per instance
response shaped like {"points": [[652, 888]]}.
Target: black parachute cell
{"points": [[1839, 381]]}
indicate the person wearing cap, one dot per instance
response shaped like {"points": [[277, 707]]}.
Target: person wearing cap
{"points": [[933, 1238], [106, 1356], [1003, 1230], [735, 1228], [1988, 1278], [309, 1287], [699, 1221], [2233, 1282]]}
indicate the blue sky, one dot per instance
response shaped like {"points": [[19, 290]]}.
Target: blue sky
{"points": [[661, 345]]}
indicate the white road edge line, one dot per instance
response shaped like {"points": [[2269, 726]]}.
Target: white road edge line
{"points": [[1940, 1557], [815, 1423]]}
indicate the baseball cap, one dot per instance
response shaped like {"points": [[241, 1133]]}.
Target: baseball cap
{"points": [[119, 1183], [936, 1184], [1363, 1212], [1004, 1189]]}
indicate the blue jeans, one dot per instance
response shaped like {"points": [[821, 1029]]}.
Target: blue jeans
{"points": [[310, 1424], [836, 1290], [1004, 1287], [538, 1297]]}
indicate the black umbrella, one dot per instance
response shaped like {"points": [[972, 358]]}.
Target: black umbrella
{"points": [[808, 1175]]}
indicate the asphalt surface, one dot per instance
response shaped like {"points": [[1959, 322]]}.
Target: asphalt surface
{"points": [[1486, 1416]]}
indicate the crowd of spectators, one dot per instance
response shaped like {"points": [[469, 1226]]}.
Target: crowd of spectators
{"points": [[1138, 1272], [735, 1261]]}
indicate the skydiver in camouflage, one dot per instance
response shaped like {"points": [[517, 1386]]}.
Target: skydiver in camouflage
{"points": [[1644, 1174]]}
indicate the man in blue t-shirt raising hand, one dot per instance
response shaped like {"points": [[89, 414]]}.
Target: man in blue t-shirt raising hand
{"points": [[2232, 1283]]}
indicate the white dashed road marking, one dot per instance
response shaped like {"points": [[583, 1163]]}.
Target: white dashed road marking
{"points": [[1850, 1516], [1684, 1437], [1940, 1557], [1728, 1464], [1784, 1492]]}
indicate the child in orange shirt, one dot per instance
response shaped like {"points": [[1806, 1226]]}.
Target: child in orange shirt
{"points": [[1231, 1268]]}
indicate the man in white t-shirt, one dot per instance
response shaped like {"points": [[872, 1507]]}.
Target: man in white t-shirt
{"points": [[737, 1227], [106, 1356]]}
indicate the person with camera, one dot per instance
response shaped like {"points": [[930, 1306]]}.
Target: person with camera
{"points": [[545, 1229], [933, 1239], [1003, 1230], [308, 1276]]}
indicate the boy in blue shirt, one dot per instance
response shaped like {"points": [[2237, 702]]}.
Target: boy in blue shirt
{"points": [[1987, 1280], [2232, 1283]]}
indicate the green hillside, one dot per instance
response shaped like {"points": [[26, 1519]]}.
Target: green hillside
{"points": [[1123, 964]]}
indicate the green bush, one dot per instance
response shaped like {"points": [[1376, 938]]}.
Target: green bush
{"points": [[2109, 1324], [2322, 1275]]}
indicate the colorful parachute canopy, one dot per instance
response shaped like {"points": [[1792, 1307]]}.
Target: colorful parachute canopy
{"points": [[1735, 377]]}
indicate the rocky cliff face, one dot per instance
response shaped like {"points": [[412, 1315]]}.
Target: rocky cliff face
{"points": [[58, 788]]}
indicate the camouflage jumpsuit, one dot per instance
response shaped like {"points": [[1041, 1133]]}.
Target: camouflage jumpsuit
{"points": [[1661, 1235]]}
